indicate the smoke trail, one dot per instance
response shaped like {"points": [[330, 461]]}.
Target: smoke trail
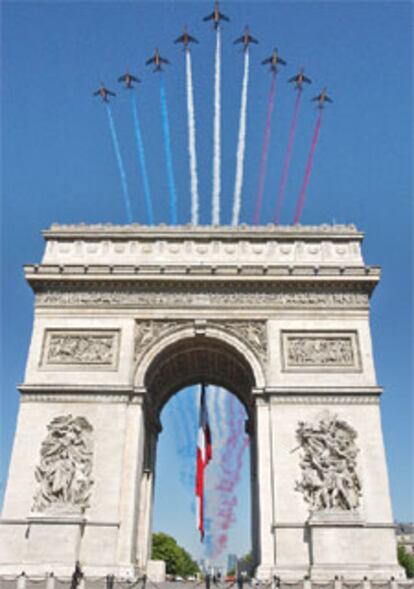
{"points": [[192, 140], [143, 165], [265, 150], [285, 170], [241, 143], [217, 145], [301, 199], [232, 460], [186, 421], [168, 152], [120, 164]]}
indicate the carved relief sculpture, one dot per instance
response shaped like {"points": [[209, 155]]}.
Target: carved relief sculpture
{"points": [[191, 296], [329, 478], [148, 331], [324, 351], [80, 348], [64, 472], [254, 332]]}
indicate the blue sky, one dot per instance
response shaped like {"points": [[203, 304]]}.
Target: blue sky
{"points": [[58, 163]]}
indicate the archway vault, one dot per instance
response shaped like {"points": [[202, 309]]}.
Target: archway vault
{"points": [[188, 354]]}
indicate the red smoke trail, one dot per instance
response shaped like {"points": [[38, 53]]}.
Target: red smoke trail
{"points": [[301, 199], [285, 170], [265, 150], [234, 449]]}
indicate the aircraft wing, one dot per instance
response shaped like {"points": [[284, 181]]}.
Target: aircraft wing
{"points": [[134, 79], [96, 93], [239, 40], [122, 78], [180, 39], [267, 60], [224, 17], [163, 60], [209, 17], [280, 60], [150, 60], [315, 98], [328, 99], [253, 40], [192, 39], [293, 79], [110, 93], [308, 80]]}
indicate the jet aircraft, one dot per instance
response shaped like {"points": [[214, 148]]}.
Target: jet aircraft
{"points": [[273, 60], [157, 60], [186, 39], [129, 80], [322, 98], [216, 16], [299, 79], [104, 93], [246, 39]]}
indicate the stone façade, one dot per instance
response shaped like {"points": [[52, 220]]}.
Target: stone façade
{"points": [[125, 317]]}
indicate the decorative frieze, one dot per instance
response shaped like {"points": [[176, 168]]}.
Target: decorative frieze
{"points": [[64, 473], [328, 463], [88, 348], [320, 351], [239, 295]]}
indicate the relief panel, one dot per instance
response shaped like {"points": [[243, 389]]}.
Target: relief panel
{"points": [[87, 349], [321, 351]]}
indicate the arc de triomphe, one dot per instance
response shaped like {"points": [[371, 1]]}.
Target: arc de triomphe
{"points": [[126, 316]]}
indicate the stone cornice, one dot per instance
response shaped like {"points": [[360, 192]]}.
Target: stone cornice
{"points": [[186, 273], [110, 231], [79, 393], [322, 390]]}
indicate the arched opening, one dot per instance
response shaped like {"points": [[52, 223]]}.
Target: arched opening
{"points": [[195, 360], [171, 376], [227, 500]]}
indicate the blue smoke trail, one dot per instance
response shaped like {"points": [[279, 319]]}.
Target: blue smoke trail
{"points": [[141, 153], [120, 164], [168, 153]]}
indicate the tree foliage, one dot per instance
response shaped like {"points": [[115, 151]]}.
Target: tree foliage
{"points": [[406, 560], [177, 560]]}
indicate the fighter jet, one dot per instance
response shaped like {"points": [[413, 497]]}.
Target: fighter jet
{"points": [[104, 93], [216, 16], [185, 39], [299, 79], [157, 60], [273, 60], [129, 80], [322, 98], [246, 39]]}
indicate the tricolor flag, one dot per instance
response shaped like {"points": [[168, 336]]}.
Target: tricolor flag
{"points": [[204, 454]]}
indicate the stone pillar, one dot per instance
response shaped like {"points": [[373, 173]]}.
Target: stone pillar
{"points": [[144, 532], [130, 499], [265, 498]]}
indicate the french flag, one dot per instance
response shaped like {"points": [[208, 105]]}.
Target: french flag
{"points": [[204, 455]]}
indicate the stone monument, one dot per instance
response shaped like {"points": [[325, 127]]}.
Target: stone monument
{"points": [[126, 316]]}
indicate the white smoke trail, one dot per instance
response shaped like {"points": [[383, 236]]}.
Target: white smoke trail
{"points": [[217, 145], [241, 143], [192, 140]]}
